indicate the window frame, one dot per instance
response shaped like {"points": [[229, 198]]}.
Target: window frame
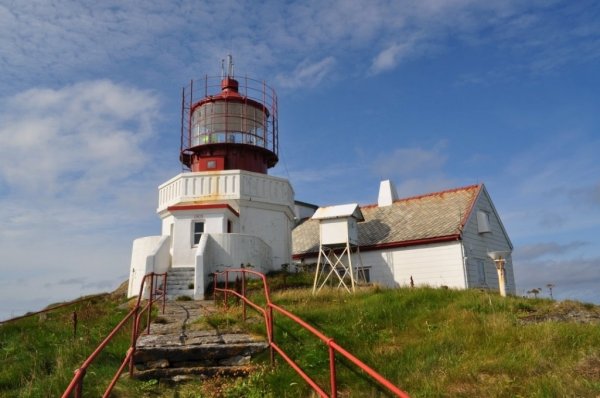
{"points": [[195, 233], [365, 271], [481, 277], [484, 224]]}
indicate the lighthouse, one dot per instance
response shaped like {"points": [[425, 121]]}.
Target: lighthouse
{"points": [[223, 210]]}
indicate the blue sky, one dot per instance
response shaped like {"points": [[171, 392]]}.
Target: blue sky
{"points": [[431, 94]]}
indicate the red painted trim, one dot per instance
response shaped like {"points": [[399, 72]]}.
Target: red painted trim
{"points": [[201, 164], [236, 156], [468, 213], [230, 97], [203, 207], [390, 245], [467, 188], [415, 242]]}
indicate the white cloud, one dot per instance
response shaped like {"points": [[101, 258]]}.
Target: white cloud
{"points": [[410, 162], [307, 74], [77, 184], [391, 56], [74, 140], [57, 38]]}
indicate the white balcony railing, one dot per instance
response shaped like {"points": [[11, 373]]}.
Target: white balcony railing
{"points": [[222, 186]]}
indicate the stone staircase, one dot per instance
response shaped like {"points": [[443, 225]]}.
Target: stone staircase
{"points": [[177, 350], [179, 281]]}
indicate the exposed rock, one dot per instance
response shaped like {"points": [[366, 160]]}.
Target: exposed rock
{"points": [[237, 360], [193, 373], [160, 364], [565, 311]]}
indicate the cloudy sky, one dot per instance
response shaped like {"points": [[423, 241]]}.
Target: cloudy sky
{"points": [[432, 94]]}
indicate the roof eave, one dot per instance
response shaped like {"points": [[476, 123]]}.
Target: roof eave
{"points": [[392, 245]]}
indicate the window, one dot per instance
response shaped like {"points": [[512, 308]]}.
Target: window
{"points": [[483, 222], [198, 229], [211, 164], [363, 274], [480, 264]]}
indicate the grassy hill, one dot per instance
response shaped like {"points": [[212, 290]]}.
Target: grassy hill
{"points": [[430, 342]]}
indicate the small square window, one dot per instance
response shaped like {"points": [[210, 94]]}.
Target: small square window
{"points": [[363, 274], [198, 230], [211, 164]]}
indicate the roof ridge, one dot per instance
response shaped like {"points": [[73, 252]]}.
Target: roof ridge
{"points": [[465, 188]]}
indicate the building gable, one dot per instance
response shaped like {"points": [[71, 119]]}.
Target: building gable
{"points": [[479, 239]]}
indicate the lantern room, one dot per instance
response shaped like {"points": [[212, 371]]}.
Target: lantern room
{"points": [[234, 128]]}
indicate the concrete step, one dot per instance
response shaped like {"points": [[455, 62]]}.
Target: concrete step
{"points": [[173, 351], [179, 281], [199, 348], [180, 270], [172, 294], [192, 373]]}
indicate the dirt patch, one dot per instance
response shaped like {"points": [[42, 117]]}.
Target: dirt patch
{"points": [[590, 367]]}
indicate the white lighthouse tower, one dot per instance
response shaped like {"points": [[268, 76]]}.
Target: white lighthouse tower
{"points": [[223, 210]]}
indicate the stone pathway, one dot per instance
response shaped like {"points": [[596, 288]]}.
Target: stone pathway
{"points": [[176, 350]]}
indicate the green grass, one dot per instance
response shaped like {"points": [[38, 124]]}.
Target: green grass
{"points": [[39, 354], [438, 342], [429, 342]]}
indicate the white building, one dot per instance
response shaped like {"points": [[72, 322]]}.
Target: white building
{"points": [[225, 211], [437, 239]]}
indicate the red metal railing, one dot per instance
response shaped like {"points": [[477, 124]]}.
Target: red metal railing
{"points": [[332, 346], [136, 314]]}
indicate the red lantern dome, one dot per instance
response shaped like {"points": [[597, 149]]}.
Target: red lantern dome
{"points": [[235, 128]]}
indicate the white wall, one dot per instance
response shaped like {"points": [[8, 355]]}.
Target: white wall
{"points": [[183, 250], [149, 254], [438, 264], [302, 211], [265, 205], [273, 225], [217, 252]]}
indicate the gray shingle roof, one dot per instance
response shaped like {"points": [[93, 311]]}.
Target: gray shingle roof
{"points": [[412, 220]]}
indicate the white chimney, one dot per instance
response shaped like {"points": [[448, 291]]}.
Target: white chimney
{"points": [[387, 193]]}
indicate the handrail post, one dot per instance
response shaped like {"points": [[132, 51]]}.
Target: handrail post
{"points": [[150, 306], [215, 287], [244, 295], [79, 388], [164, 292], [226, 287], [332, 371], [271, 334], [133, 337]]}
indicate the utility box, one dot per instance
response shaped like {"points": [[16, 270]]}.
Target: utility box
{"points": [[338, 224]]}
